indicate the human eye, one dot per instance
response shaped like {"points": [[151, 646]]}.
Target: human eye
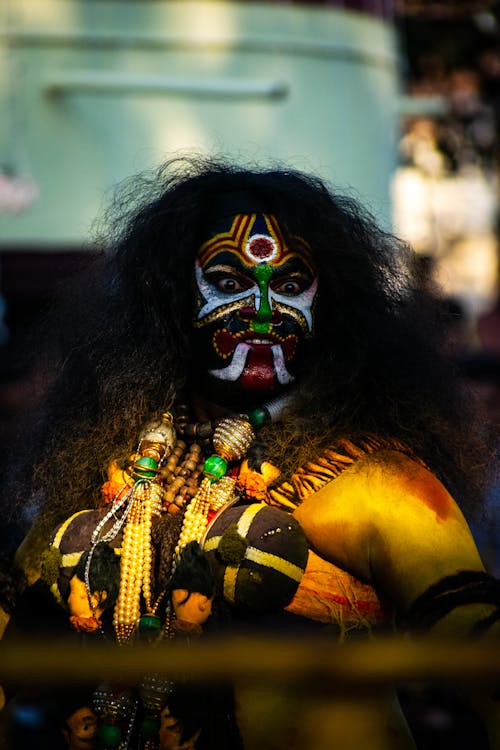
{"points": [[228, 280], [291, 286], [229, 285]]}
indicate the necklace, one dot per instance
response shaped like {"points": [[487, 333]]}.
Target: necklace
{"points": [[171, 475], [164, 477], [203, 431], [231, 440], [143, 501]]}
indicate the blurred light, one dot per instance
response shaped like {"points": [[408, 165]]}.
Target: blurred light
{"points": [[486, 22], [17, 193]]}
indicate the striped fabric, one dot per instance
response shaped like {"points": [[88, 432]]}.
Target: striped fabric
{"points": [[328, 465]]}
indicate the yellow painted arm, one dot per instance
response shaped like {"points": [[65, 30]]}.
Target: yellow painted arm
{"points": [[390, 522]]}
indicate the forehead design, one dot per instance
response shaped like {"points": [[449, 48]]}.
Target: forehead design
{"points": [[253, 238]]}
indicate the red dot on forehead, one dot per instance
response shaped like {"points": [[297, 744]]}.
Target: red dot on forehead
{"points": [[261, 247]]}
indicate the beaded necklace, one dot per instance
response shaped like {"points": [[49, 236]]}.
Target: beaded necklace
{"points": [[165, 475]]}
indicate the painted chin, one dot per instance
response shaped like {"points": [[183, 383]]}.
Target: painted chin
{"points": [[258, 365]]}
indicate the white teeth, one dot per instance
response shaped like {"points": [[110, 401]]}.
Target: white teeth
{"points": [[259, 341]]}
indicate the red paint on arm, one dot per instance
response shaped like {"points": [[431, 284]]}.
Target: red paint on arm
{"points": [[432, 493]]}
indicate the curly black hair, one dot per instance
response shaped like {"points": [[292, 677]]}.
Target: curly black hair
{"points": [[104, 573], [193, 572], [123, 349]]}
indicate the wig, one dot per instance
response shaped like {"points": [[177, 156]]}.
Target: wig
{"points": [[374, 367]]}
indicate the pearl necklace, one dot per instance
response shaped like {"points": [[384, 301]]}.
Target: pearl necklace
{"points": [[158, 461], [232, 438]]}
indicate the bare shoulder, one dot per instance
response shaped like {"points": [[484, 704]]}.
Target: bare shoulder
{"points": [[391, 522]]}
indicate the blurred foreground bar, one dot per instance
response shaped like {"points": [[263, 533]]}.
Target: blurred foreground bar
{"points": [[359, 665]]}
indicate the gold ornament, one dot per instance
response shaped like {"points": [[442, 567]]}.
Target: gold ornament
{"points": [[232, 438], [145, 501], [136, 561]]}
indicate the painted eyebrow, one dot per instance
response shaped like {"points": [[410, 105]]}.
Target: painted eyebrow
{"points": [[292, 265], [224, 261], [285, 278], [221, 268], [295, 266]]}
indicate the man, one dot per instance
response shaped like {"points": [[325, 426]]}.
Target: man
{"points": [[261, 299]]}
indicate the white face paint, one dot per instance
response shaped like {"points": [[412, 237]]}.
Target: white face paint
{"points": [[255, 304], [219, 302]]}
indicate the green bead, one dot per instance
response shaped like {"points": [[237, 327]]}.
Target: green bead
{"points": [[258, 417], [150, 727], [215, 467], [144, 468], [149, 624], [108, 736]]}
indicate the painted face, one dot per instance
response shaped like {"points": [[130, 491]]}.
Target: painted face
{"points": [[254, 306]]}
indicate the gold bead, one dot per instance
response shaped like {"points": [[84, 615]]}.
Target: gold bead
{"points": [[233, 437]]}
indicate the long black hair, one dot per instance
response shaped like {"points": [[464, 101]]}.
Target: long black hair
{"points": [[123, 348]]}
